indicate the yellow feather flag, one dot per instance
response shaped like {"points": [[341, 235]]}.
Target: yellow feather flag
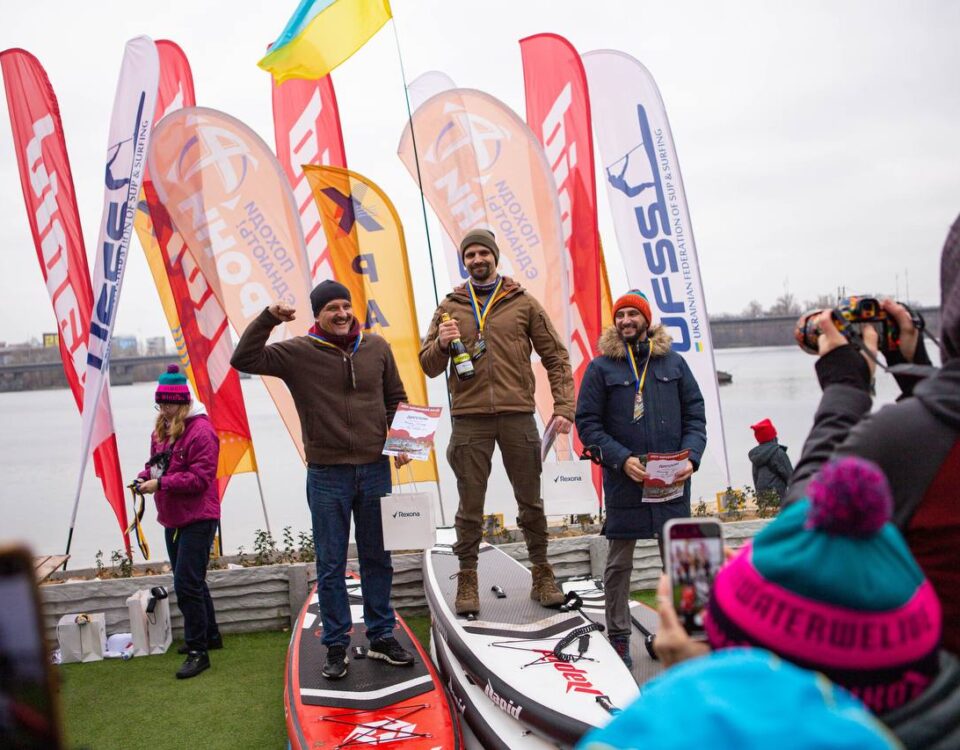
{"points": [[370, 258], [321, 34]]}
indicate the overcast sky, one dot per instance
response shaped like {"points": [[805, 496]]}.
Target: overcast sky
{"points": [[818, 141]]}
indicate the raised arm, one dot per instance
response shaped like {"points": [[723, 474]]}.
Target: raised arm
{"points": [[252, 353]]}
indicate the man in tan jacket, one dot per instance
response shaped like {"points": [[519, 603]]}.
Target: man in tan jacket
{"points": [[500, 324]]}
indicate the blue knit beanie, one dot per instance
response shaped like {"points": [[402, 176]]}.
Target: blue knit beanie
{"points": [[741, 698]]}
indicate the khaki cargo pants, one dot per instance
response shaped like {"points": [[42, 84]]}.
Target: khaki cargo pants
{"points": [[469, 455]]}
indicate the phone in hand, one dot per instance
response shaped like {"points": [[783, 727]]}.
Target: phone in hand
{"points": [[693, 549], [28, 705]]}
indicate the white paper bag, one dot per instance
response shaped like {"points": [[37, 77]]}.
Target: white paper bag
{"points": [[137, 611], [159, 631], [407, 521], [567, 488], [82, 637]]}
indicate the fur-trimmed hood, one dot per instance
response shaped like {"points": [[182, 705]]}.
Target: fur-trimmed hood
{"points": [[611, 345]]}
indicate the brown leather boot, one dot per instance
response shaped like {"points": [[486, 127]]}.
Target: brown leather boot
{"points": [[545, 589], [468, 595]]}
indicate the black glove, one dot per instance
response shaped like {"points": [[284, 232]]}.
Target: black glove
{"points": [[844, 366]]}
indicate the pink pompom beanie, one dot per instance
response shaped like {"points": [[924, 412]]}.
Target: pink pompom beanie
{"points": [[831, 585], [172, 387]]}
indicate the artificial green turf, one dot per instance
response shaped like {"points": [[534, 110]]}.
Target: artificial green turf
{"points": [[648, 597], [420, 625], [237, 703]]}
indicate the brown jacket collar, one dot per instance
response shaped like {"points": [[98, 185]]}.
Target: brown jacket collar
{"points": [[509, 288], [611, 345]]}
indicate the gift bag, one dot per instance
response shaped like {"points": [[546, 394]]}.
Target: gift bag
{"points": [[82, 637], [407, 519], [159, 631], [137, 611], [567, 488]]}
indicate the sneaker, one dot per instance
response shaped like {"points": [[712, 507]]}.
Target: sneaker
{"points": [[621, 644], [391, 652], [335, 666], [214, 644], [196, 662]]}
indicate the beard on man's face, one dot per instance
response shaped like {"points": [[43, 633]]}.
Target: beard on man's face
{"points": [[632, 330], [480, 271]]}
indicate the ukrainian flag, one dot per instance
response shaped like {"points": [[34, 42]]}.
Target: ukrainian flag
{"points": [[321, 34]]}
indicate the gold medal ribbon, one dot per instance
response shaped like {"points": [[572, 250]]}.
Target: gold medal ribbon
{"points": [[480, 312], [638, 379]]}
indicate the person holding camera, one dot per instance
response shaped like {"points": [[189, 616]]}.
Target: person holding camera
{"points": [[182, 476], [637, 397], [346, 387], [916, 442]]}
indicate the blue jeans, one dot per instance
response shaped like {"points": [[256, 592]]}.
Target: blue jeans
{"points": [[189, 551], [333, 492]]}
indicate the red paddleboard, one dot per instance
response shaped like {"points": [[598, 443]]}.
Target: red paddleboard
{"points": [[375, 704]]}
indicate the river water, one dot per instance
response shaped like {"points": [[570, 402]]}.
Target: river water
{"points": [[39, 456]]}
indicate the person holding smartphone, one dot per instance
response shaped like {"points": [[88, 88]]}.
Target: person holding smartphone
{"points": [[637, 397], [831, 586], [182, 476]]}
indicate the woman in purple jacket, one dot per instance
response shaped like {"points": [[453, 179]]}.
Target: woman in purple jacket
{"points": [[182, 472]]}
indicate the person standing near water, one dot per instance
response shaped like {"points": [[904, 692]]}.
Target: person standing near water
{"points": [[182, 476]]}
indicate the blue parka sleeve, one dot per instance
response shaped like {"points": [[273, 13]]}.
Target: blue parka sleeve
{"points": [[590, 416], [694, 417]]}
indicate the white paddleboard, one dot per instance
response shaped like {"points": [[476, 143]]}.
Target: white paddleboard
{"points": [[484, 725], [551, 670], [645, 621]]}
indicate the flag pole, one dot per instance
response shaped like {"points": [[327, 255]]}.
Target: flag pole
{"points": [[263, 502], [416, 161], [426, 229]]}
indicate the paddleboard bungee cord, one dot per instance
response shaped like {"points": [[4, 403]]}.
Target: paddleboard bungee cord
{"points": [[581, 634], [371, 732], [374, 704], [513, 633]]}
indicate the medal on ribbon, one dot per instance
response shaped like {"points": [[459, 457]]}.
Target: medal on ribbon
{"points": [[638, 381], [480, 348], [638, 407], [480, 315]]}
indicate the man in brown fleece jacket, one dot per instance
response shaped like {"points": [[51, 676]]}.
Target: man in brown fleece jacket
{"points": [[346, 388], [501, 324]]}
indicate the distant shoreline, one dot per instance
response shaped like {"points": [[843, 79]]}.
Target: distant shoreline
{"points": [[39, 368]]}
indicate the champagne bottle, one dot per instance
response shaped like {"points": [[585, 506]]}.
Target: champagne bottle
{"points": [[462, 361]]}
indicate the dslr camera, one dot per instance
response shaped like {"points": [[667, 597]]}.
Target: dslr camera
{"points": [[851, 316]]}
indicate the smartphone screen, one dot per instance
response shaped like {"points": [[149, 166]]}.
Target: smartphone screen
{"points": [[28, 713], [694, 555]]}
